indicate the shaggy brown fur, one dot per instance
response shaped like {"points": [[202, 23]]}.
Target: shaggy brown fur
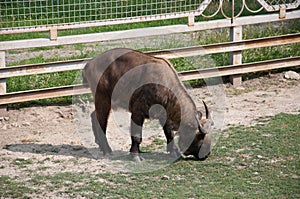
{"points": [[141, 84]]}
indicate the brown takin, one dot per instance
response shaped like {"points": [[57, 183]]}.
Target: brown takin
{"points": [[147, 87]]}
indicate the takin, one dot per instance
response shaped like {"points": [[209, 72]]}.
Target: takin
{"points": [[147, 87]]}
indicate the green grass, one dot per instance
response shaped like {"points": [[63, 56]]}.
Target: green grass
{"points": [[261, 161], [181, 64], [64, 13], [42, 81], [20, 162], [13, 189], [157, 143]]}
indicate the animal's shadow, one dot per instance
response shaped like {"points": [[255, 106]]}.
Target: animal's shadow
{"points": [[49, 149], [84, 152]]}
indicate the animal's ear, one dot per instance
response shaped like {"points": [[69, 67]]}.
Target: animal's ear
{"points": [[200, 127], [199, 114]]}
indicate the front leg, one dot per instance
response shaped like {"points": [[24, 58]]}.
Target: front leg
{"points": [[137, 122], [171, 147], [99, 124]]}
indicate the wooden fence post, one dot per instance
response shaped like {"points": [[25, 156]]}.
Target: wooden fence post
{"points": [[236, 57], [191, 20], [3, 108]]}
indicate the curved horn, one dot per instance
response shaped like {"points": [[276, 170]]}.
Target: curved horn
{"points": [[207, 113]]}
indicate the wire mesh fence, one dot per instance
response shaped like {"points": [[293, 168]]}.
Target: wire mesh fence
{"points": [[279, 2], [18, 13], [275, 5], [37, 13]]}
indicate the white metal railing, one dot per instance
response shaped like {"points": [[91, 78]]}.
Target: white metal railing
{"points": [[275, 5], [17, 16], [236, 46], [28, 13]]}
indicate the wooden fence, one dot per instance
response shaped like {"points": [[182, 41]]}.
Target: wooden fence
{"points": [[236, 46]]}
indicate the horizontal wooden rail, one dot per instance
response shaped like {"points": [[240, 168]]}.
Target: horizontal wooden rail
{"points": [[240, 69], [237, 46], [37, 94], [184, 76], [35, 69], [75, 25], [171, 53], [228, 46]]}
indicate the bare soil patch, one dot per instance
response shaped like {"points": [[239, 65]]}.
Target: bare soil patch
{"points": [[48, 140]]}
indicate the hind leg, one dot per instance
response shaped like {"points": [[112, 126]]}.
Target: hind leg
{"points": [[96, 128], [137, 122]]}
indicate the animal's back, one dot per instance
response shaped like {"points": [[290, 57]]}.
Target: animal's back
{"points": [[114, 65], [119, 72]]}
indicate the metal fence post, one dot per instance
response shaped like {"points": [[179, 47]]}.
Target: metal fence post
{"points": [[236, 57], [2, 83]]}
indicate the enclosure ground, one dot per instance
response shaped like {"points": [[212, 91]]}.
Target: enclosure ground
{"points": [[42, 154]]}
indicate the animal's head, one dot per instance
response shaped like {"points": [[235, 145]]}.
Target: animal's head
{"points": [[199, 147]]}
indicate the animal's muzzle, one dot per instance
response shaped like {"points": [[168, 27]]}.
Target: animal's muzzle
{"points": [[203, 158]]}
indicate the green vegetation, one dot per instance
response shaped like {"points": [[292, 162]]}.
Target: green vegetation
{"points": [[74, 11], [22, 162], [181, 64], [41, 81], [13, 189], [157, 143], [70, 11], [261, 161]]}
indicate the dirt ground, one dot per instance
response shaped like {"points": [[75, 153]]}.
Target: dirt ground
{"points": [[56, 136]]}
